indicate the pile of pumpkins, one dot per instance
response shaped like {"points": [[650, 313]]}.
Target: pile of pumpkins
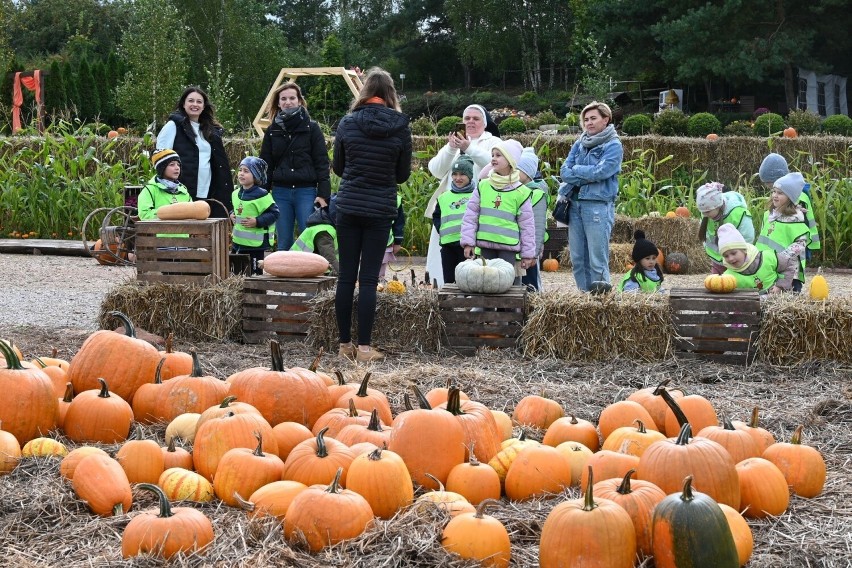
{"points": [[327, 457]]}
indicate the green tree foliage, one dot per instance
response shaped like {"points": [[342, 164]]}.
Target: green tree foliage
{"points": [[105, 94], [54, 87], [329, 98], [71, 86], [303, 22], [155, 50], [90, 102]]}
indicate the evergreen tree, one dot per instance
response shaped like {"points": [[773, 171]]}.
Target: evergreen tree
{"points": [[89, 100], [105, 111], [72, 93], [330, 97], [54, 90]]}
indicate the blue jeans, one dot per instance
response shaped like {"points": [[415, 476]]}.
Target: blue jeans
{"points": [[588, 239], [295, 205]]}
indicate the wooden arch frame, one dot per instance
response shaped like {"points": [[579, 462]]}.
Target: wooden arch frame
{"points": [[353, 81]]}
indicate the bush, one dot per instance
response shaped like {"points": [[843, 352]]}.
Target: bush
{"points": [[759, 111], [804, 122], [512, 125], [544, 117], [423, 126], [739, 128], [447, 125], [702, 124], [530, 102], [769, 124], [670, 122], [727, 118], [637, 125], [838, 124]]}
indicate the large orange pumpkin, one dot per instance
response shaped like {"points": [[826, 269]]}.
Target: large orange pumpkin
{"points": [[803, 466], [243, 471], [29, 407], [141, 459], [763, 489], [739, 444], [477, 536], [382, 478], [572, 429], [537, 470], [474, 480], [217, 436], [316, 460], [195, 392], [98, 416], [101, 482], [638, 498], [480, 428]]}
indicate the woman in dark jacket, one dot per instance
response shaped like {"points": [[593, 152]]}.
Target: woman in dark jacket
{"points": [[372, 155], [194, 133], [294, 147]]}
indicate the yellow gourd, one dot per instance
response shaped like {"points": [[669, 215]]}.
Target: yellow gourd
{"points": [[395, 286], [720, 283], [819, 287]]}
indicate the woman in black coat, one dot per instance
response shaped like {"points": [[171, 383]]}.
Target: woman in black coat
{"points": [[372, 155], [294, 147], [194, 133]]}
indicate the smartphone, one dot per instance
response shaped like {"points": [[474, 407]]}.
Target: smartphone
{"points": [[460, 130]]}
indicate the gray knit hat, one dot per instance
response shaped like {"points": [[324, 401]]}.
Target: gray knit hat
{"points": [[257, 167], [792, 185], [463, 165], [773, 167], [528, 163]]}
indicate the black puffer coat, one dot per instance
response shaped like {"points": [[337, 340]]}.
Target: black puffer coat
{"points": [[372, 155], [296, 154]]}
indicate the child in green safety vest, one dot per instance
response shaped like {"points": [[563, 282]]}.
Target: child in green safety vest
{"points": [[449, 212], [499, 216], [784, 226], [765, 270], [320, 235], [254, 214], [718, 207], [646, 274], [164, 188], [540, 200]]}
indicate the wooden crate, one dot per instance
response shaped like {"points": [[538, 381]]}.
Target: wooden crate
{"points": [[715, 327], [278, 307], [496, 323], [555, 245], [182, 260]]}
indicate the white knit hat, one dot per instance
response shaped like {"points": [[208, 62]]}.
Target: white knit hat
{"points": [[730, 238], [528, 162]]}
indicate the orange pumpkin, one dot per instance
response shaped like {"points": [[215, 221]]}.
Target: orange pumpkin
{"points": [[295, 264], [480, 429], [655, 404], [763, 489], [712, 136], [243, 471], [181, 484], [536, 411], [572, 429], [633, 441], [288, 435], [315, 461], [175, 457], [608, 464], [475, 481], [578, 456], [98, 416], [367, 399], [112, 134], [720, 283], [477, 536], [382, 478], [10, 453], [373, 433], [141, 459], [177, 362], [101, 482], [537, 470], [683, 211], [762, 438], [638, 498], [29, 407], [111, 254], [69, 463], [272, 499], [217, 436], [64, 403], [550, 265], [671, 215], [195, 392], [790, 132], [803, 466], [623, 413], [743, 539], [739, 444]]}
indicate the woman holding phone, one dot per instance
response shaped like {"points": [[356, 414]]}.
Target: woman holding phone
{"points": [[479, 137]]}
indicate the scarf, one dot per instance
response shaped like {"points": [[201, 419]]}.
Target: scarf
{"points": [[376, 100], [286, 117], [169, 185], [504, 183], [466, 189], [751, 255], [601, 137]]}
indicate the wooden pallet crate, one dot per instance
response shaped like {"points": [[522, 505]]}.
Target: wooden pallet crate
{"points": [[195, 259], [274, 306], [497, 321], [554, 247], [715, 327]]}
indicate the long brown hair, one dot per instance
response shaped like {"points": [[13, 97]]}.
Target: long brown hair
{"points": [[273, 103], [207, 121], [379, 84]]}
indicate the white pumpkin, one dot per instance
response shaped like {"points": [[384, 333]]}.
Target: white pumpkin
{"points": [[482, 276]]}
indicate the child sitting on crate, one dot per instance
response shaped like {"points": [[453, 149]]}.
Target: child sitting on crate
{"points": [[397, 234], [499, 216], [764, 270], [320, 235], [164, 188], [449, 212], [254, 214], [784, 226], [540, 200], [718, 207], [646, 274]]}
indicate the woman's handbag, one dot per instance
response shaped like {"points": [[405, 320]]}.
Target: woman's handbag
{"points": [[560, 210]]}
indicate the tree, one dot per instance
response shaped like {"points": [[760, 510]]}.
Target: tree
{"points": [[89, 102], [329, 97], [71, 85], [54, 87], [155, 50], [304, 22], [105, 92]]}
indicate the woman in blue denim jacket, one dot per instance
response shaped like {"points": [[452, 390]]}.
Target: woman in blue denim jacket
{"points": [[590, 173]]}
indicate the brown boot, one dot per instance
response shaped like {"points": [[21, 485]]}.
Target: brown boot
{"points": [[369, 356], [347, 351]]}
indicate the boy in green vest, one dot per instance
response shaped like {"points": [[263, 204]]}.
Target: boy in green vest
{"points": [[646, 274], [164, 188], [254, 214], [449, 212], [767, 271], [320, 235], [540, 200]]}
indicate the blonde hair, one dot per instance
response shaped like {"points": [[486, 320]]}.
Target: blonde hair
{"points": [[273, 103], [379, 84], [602, 108]]}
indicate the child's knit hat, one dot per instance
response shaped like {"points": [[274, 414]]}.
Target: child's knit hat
{"points": [[709, 197], [161, 158], [643, 247], [730, 239], [773, 167], [528, 163], [463, 165], [257, 167], [511, 150], [792, 185]]}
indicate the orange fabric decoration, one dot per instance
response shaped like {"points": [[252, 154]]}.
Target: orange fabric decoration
{"points": [[32, 84], [377, 100]]}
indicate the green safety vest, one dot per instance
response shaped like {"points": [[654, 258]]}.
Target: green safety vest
{"points": [[251, 236], [305, 242], [498, 214], [777, 235], [535, 196], [153, 196], [805, 201], [645, 283], [453, 206], [764, 278], [398, 203], [734, 217]]}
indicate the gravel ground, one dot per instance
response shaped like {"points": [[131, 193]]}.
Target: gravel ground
{"points": [[66, 291]]}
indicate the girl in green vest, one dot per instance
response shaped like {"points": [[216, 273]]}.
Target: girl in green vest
{"points": [[764, 270], [784, 226], [254, 214], [164, 188], [646, 274], [718, 207]]}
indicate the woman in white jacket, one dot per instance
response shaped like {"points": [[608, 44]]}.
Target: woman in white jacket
{"points": [[481, 135]]}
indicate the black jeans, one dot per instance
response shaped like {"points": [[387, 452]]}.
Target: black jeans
{"points": [[361, 242], [452, 255]]}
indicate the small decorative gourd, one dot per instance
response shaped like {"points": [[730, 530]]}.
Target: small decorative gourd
{"points": [[483, 276], [550, 265], [819, 287], [677, 263], [395, 286], [720, 283]]}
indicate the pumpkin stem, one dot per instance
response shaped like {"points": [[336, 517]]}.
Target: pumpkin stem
{"points": [[454, 401], [797, 435], [137, 433], [117, 509], [436, 480], [335, 483], [277, 359], [54, 351], [589, 501], [316, 362], [129, 330], [687, 489], [171, 447], [12, 361], [640, 426], [662, 391], [362, 390], [754, 417], [471, 460], [375, 455], [353, 411], [574, 419], [522, 436], [484, 504], [406, 401], [243, 504], [165, 508], [169, 341], [684, 435], [104, 389], [196, 365], [258, 451], [158, 373], [341, 380], [322, 450], [226, 402], [375, 424], [624, 488], [41, 362], [421, 400], [69, 393], [726, 422]]}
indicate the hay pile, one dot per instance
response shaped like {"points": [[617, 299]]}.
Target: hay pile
{"points": [[795, 329], [584, 327], [679, 234], [191, 312], [404, 322]]}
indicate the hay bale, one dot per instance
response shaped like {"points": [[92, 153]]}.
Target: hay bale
{"points": [[622, 229], [191, 312], [670, 233], [795, 329], [619, 257], [583, 327], [404, 322]]}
